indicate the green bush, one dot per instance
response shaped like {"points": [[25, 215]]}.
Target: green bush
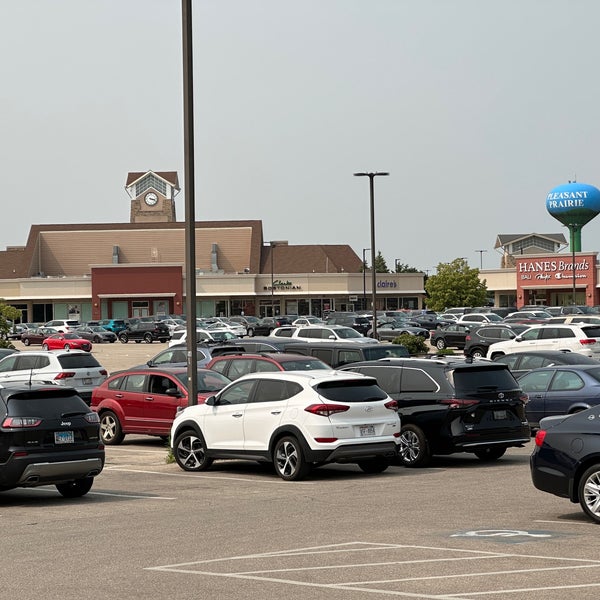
{"points": [[415, 344]]}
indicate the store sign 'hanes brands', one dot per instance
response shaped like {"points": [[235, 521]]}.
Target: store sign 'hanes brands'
{"points": [[554, 270]]}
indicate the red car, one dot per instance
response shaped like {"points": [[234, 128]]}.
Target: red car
{"points": [[145, 400], [66, 341]]}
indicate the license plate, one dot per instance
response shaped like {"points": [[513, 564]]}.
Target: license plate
{"points": [[87, 381], [64, 437], [500, 415], [366, 430]]}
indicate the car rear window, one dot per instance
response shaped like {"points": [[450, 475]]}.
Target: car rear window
{"points": [[378, 351], [73, 323], [305, 364], [77, 361], [471, 381], [592, 332], [45, 405], [351, 391]]}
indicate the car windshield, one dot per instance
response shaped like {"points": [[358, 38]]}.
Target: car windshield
{"points": [[351, 391], [70, 336], [207, 382], [348, 333]]}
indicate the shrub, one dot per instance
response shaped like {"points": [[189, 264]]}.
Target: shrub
{"points": [[415, 344]]}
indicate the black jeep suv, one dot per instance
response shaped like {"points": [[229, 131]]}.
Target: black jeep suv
{"points": [[48, 436], [453, 405], [147, 331]]}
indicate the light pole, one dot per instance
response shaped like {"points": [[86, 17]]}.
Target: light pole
{"points": [[365, 279], [273, 244], [396, 261], [480, 258], [371, 176]]}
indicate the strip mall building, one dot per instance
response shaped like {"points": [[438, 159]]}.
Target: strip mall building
{"points": [[116, 270]]}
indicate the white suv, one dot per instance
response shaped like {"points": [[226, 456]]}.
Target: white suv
{"points": [[583, 339], [322, 333], [72, 368], [295, 420], [63, 325]]}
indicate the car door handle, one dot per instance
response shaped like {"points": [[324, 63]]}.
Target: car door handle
{"points": [[149, 398], [237, 415], [275, 412]]}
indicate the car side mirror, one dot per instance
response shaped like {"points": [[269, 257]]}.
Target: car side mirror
{"points": [[211, 401], [173, 392], [150, 363]]}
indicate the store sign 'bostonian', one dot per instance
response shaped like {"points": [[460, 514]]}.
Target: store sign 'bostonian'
{"points": [[283, 285]]}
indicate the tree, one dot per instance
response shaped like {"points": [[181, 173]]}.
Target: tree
{"points": [[455, 284], [380, 266], [404, 268], [8, 315]]}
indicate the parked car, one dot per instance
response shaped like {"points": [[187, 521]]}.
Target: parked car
{"points": [[204, 335], [307, 321], [566, 459], [48, 436], [63, 325], [65, 341], [391, 330], [176, 355], [147, 331], [428, 320], [360, 324], [480, 338], [145, 401], [453, 335], [33, 337], [575, 319], [560, 390], [6, 351], [583, 339], [266, 325], [71, 368], [453, 405], [114, 325], [520, 363], [96, 334], [235, 366], [316, 333], [294, 420], [479, 318]]}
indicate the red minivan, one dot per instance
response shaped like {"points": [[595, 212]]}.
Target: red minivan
{"points": [[145, 400]]}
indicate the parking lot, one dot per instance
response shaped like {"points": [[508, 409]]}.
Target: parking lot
{"points": [[458, 529]]}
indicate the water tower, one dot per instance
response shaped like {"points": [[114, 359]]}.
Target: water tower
{"points": [[574, 204]]}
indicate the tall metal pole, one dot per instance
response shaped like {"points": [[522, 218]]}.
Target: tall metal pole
{"points": [[572, 230], [371, 177], [481, 258], [365, 279], [272, 282], [190, 197]]}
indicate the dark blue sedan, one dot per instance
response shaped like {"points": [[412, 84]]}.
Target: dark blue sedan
{"points": [[560, 390]]}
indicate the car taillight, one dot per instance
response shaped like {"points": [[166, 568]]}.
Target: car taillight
{"points": [[326, 410], [391, 405], [92, 417], [103, 372], [524, 398], [21, 422], [65, 375], [467, 338], [459, 402], [586, 341], [540, 436]]}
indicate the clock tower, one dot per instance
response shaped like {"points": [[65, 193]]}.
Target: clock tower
{"points": [[152, 196]]}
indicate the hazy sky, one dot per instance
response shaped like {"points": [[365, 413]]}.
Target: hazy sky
{"points": [[477, 108]]}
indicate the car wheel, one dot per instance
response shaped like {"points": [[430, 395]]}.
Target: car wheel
{"points": [[440, 344], [67, 347], [111, 431], [374, 465], [414, 449], [123, 338], [250, 332], [97, 339], [148, 338], [26, 341], [289, 460], [45, 347], [477, 353], [589, 492], [190, 452], [77, 488], [490, 454]]}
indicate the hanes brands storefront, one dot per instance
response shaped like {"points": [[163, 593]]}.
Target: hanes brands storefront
{"points": [[557, 280]]}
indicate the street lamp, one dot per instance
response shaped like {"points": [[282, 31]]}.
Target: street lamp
{"points": [[365, 279], [396, 261], [481, 258], [273, 244], [371, 176]]}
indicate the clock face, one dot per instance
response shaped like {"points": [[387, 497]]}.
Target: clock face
{"points": [[150, 198]]}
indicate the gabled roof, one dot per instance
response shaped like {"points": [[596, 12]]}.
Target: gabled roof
{"points": [[510, 238], [169, 176], [320, 258]]}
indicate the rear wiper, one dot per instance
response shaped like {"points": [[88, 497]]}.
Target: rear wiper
{"points": [[487, 388], [78, 413]]}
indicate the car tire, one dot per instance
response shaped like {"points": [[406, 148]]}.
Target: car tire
{"points": [[26, 341], [148, 338], [45, 347], [67, 347], [250, 332], [189, 450], [123, 338], [440, 344], [75, 489], [414, 449], [490, 454], [288, 459], [97, 339], [374, 465], [111, 432], [477, 353], [588, 492]]}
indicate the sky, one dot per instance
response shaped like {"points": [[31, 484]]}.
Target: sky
{"points": [[476, 108]]}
